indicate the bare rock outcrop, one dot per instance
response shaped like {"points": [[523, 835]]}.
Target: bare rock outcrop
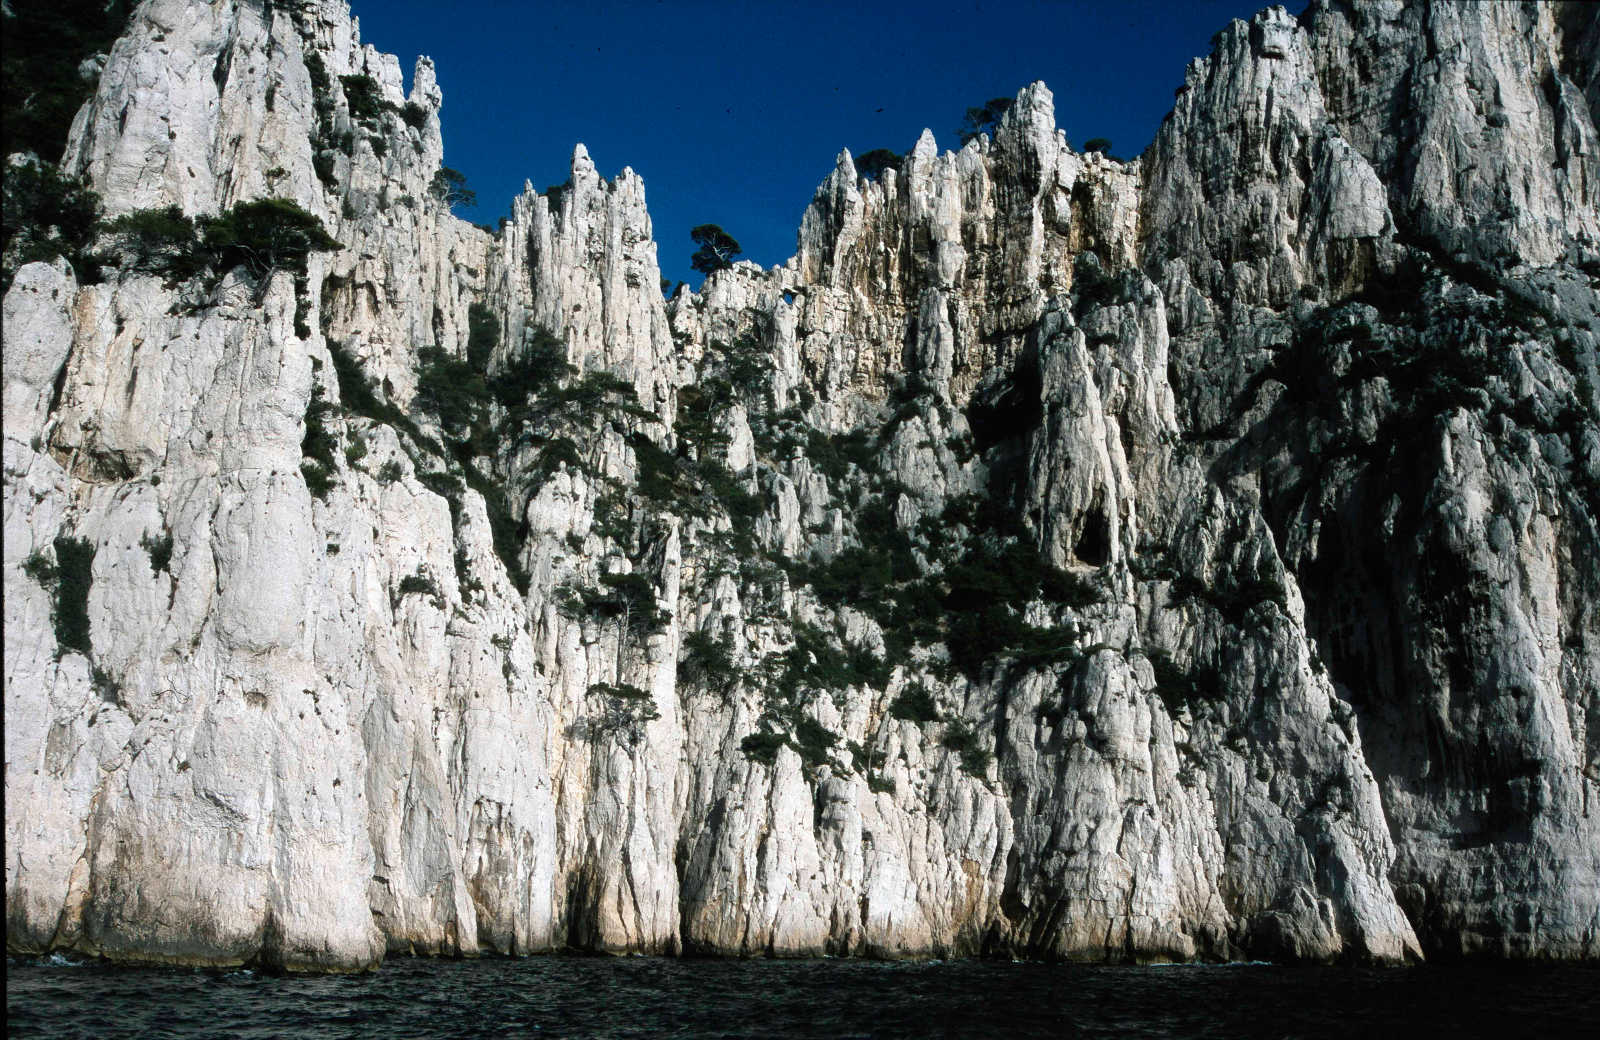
{"points": [[1191, 557]]}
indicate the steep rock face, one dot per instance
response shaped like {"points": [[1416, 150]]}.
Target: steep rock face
{"points": [[1475, 114], [1359, 421], [1250, 182], [997, 222], [1191, 557], [580, 263], [189, 111]]}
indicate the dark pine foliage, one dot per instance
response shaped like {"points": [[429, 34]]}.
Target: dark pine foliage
{"points": [[914, 704], [961, 739], [709, 659], [364, 98], [984, 118], [716, 251], [68, 580], [73, 578], [160, 549], [872, 164], [318, 446], [46, 215], [450, 187], [263, 236], [45, 43], [762, 746], [158, 241]]}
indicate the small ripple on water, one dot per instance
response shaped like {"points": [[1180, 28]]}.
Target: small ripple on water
{"points": [[623, 998]]}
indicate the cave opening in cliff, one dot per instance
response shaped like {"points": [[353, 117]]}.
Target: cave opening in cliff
{"points": [[1008, 408], [1094, 542]]}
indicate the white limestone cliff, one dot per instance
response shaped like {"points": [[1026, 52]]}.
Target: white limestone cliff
{"points": [[1308, 664]]}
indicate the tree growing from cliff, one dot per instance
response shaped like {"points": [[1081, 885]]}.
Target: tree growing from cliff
{"points": [[984, 118], [47, 76], [872, 164], [47, 215], [450, 187], [160, 241], [265, 235], [717, 249]]}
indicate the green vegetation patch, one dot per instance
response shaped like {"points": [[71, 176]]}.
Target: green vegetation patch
{"points": [[814, 741], [1180, 687], [160, 549], [1231, 597], [626, 710], [158, 241], [74, 563], [261, 236], [833, 456], [418, 583], [41, 87], [265, 235], [455, 392], [815, 661], [763, 745], [45, 216], [791, 681], [973, 603], [968, 746], [68, 579], [462, 398], [708, 660], [450, 187], [630, 598], [318, 446], [914, 704], [871, 164], [364, 98]]}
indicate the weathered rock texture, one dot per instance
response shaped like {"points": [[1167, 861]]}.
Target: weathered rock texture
{"points": [[1192, 557]]}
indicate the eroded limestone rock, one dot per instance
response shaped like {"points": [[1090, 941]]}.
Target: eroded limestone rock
{"points": [[1190, 557]]}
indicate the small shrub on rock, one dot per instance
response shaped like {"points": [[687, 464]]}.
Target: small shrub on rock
{"points": [[915, 704], [160, 549], [762, 746], [960, 738]]}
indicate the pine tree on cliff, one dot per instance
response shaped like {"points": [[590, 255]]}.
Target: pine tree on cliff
{"points": [[717, 249]]}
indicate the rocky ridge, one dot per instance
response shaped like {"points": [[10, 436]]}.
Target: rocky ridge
{"points": [[1184, 558]]}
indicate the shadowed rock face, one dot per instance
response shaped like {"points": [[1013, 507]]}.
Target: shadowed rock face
{"points": [[1192, 557]]}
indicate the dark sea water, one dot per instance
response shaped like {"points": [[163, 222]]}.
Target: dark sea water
{"points": [[661, 997]]}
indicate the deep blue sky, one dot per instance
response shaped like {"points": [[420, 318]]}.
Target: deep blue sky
{"points": [[733, 113]]}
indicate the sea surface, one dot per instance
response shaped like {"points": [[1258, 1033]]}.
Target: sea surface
{"points": [[560, 996]]}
